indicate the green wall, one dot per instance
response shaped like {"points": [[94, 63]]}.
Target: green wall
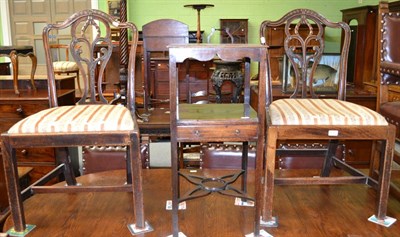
{"points": [[2, 59], [142, 11], [1, 33]]}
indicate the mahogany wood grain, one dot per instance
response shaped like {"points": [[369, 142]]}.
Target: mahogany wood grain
{"points": [[304, 211]]}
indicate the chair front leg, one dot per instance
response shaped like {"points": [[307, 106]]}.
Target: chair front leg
{"points": [[175, 186], [267, 218], [245, 161], [136, 170], [13, 188], [385, 167]]}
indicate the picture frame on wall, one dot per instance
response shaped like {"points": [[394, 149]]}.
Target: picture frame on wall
{"points": [[114, 8], [325, 79]]}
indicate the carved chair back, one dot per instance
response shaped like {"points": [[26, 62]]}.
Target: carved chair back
{"points": [[304, 45], [88, 30]]}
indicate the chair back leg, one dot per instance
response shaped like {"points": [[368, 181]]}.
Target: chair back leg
{"points": [[328, 161], [64, 157]]}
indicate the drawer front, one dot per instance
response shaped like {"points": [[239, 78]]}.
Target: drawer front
{"points": [[40, 159], [39, 170], [162, 91], [36, 155], [21, 110], [12, 113], [358, 153], [162, 66], [217, 133], [161, 76], [7, 123]]}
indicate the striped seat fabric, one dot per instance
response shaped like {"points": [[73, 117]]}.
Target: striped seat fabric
{"points": [[322, 112], [75, 119], [65, 66]]}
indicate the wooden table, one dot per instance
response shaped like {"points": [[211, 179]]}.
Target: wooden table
{"points": [[13, 52], [158, 123], [301, 210]]}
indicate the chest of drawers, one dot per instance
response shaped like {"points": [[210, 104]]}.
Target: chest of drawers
{"points": [[14, 108]]}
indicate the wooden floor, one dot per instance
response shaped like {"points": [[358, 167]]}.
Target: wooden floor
{"points": [[310, 211]]}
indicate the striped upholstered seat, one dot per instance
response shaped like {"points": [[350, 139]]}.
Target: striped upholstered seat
{"points": [[73, 119], [322, 112]]}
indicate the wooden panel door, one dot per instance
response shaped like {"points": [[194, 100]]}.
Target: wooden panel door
{"points": [[27, 19]]}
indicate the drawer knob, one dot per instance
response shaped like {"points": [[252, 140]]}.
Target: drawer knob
{"points": [[197, 133], [351, 152], [237, 131], [24, 152], [20, 110]]}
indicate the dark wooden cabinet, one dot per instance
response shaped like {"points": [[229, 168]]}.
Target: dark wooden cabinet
{"points": [[14, 108], [198, 78], [362, 64], [362, 55], [237, 27]]}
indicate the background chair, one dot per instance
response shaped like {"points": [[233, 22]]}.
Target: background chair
{"points": [[157, 35], [307, 116], [61, 63], [92, 121], [388, 72]]}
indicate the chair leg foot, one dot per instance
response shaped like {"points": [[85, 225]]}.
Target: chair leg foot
{"points": [[262, 233], [269, 223], [28, 229], [135, 231], [180, 234], [387, 221]]}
